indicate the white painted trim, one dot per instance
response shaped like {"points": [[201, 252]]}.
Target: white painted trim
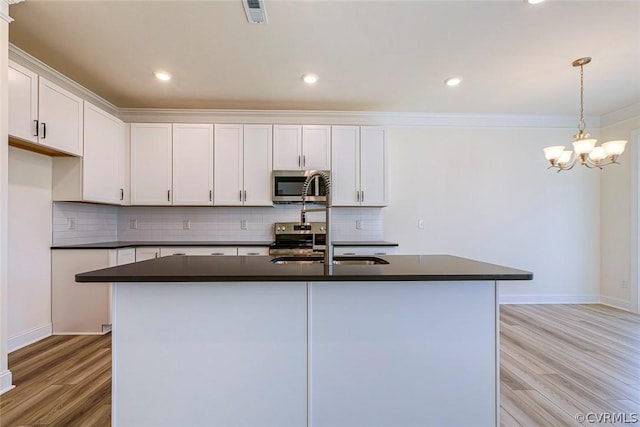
{"points": [[160, 115], [634, 218], [617, 303], [26, 60], [550, 299], [622, 115], [6, 382], [82, 333], [29, 337]]}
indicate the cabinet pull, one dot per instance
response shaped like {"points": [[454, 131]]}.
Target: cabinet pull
{"points": [[211, 195], [122, 194], [217, 254], [155, 254], [168, 195], [379, 253], [349, 253], [44, 130], [304, 161], [299, 161], [357, 196], [362, 196], [245, 195], [240, 195], [252, 253], [36, 122]]}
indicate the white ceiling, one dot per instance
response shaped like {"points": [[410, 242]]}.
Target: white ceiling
{"points": [[370, 55]]}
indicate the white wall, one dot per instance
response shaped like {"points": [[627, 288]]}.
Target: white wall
{"points": [[486, 194], [619, 207], [29, 257]]}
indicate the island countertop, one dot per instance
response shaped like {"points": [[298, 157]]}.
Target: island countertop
{"points": [[181, 268]]}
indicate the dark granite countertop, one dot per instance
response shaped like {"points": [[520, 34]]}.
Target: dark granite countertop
{"points": [[180, 268], [119, 245]]}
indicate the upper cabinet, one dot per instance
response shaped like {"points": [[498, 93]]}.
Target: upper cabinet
{"points": [[297, 147], [359, 166], [192, 164], [243, 158], [151, 163], [42, 112], [99, 175]]}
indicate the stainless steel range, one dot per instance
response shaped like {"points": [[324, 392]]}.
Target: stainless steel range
{"points": [[293, 238]]}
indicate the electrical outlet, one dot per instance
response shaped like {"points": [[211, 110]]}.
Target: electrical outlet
{"points": [[624, 284], [71, 223], [358, 224], [420, 224], [186, 224], [243, 224], [133, 224]]}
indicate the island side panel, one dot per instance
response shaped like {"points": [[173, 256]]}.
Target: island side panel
{"points": [[408, 354], [209, 354]]}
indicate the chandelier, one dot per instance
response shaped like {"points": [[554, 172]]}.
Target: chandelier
{"points": [[584, 147]]}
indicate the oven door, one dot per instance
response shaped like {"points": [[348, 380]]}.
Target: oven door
{"points": [[287, 187]]}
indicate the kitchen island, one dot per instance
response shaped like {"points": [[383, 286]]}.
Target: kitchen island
{"points": [[207, 341]]}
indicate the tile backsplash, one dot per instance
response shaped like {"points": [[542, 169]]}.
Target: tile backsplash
{"points": [[76, 223]]}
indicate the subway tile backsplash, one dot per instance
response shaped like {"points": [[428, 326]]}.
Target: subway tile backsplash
{"points": [[98, 223]]}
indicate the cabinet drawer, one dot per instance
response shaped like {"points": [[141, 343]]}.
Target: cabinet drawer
{"points": [[253, 250], [364, 250], [206, 250]]}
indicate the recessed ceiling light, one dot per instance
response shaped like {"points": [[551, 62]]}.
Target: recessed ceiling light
{"points": [[453, 81], [534, 1], [310, 78], [162, 75]]}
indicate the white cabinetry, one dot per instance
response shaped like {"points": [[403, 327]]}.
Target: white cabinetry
{"points": [[305, 147], [99, 175], [126, 256], [151, 161], [242, 165], [204, 250], [192, 164], [23, 103], [364, 250], [359, 166], [253, 250], [80, 308], [44, 113], [143, 254]]}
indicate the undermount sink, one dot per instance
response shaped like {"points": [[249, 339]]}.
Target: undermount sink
{"points": [[338, 260]]}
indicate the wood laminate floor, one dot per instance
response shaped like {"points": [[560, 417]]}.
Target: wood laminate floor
{"points": [[557, 361]]}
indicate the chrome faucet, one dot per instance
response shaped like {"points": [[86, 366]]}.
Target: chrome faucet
{"points": [[326, 179]]}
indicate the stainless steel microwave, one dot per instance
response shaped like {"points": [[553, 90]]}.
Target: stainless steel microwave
{"points": [[287, 187]]}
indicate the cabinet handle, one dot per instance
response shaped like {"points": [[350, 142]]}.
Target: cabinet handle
{"points": [[349, 253], [122, 194], [362, 196], [217, 254], [44, 130], [240, 195], [168, 195], [252, 253], [299, 161], [379, 253], [36, 122], [357, 196], [155, 254], [211, 195], [304, 161], [245, 195]]}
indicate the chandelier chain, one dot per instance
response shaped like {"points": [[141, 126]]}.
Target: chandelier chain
{"points": [[581, 123]]}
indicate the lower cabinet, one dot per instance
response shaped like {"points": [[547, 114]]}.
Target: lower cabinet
{"points": [[205, 250], [80, 308], [364, 250], [143, 254]]}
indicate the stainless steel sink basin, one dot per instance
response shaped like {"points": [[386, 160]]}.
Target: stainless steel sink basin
{"points": [[338, 260]]}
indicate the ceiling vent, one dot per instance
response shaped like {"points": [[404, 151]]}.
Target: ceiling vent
{"points": [[256, 13]]}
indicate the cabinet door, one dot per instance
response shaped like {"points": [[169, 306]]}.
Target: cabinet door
{"points": [[345, 165], [126, 256], [287, 147], [143, 254], [373, 167], [192, 164], [228, 165], [103, 159], [316, 147], [60, 115], [23, 103], [257, 165], [150, 164]]}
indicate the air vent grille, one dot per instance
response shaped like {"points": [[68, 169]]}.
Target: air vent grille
{"points": [[256, 13]]}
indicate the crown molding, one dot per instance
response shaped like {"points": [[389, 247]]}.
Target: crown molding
{"points": [[155, 115], [4, 9], [622, 115], [34, 64]]}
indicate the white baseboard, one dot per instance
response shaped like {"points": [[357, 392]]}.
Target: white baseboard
{"points": [[617, 303], [550, 299], [6, 382], [29, 337]]}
